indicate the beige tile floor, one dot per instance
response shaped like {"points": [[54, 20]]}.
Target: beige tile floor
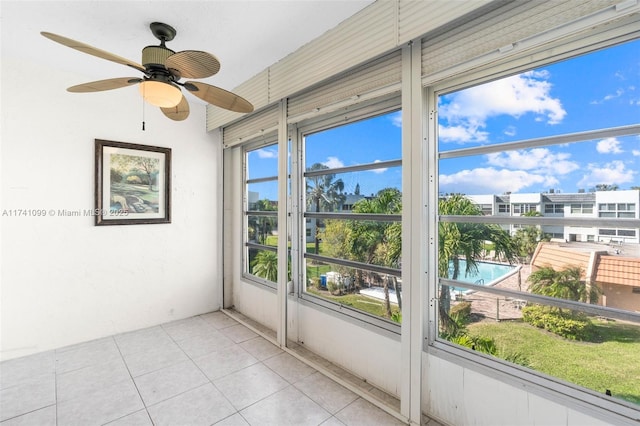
{"points": [[204, 370]]}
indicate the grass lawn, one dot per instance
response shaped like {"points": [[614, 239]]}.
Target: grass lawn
{"points": [[610, 361], [358, 301]]}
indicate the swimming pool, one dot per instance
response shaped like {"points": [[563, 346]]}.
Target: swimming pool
{"points": [[488, 274]]}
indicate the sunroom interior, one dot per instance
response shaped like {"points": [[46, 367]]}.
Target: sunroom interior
{"points": [[337, 262]]}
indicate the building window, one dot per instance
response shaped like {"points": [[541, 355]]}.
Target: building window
{"points": [[553, 208], [578, 208], [621, 210], [476, 156], [261, 213], [524, 208], [352, 180]]}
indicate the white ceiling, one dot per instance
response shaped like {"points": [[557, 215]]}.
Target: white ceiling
{"points": [[246, 36]]}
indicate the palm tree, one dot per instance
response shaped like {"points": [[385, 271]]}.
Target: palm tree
{"points": [[323, 194], [379, 242], [265, 265], [565, 284], [464, 241]]}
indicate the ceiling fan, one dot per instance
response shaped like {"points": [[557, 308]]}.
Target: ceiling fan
{"points": [[163, 68]]}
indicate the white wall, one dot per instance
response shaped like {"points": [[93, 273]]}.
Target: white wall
{"points": [[461, 396], [64, 280]]}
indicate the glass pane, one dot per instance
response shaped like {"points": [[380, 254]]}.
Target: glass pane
{"points": [[375, 243], [262, 196], [371, 292], [559, 342], [363, 142], [576, 168], [343, 191], [555, 99], [262, 230], [262, 162], [263, 264]]}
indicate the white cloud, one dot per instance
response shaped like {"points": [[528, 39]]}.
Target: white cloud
{"points": [[467, 111], [333, 162], [540, 160], [461, 134], [609, 146], [267, 153], [396, 119], [609, 97], [636, 152], [510, 131], [492, 180], [611, 173]]}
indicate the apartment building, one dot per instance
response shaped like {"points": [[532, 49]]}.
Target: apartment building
{"points": [[621, 204]]}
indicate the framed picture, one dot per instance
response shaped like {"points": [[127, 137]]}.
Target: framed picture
{"points": [[133, 184]]}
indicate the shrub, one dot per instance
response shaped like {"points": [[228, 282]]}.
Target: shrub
{"points": [[461, 313], [315, 282], [568, 324]]}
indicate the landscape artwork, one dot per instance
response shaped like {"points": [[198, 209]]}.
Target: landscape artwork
{"points": [[132, 183]]}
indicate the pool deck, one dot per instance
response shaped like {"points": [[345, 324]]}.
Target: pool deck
{"points": [[498, 308]]}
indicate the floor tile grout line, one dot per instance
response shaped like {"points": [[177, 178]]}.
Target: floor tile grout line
{"points": [[328, 373], [205, 375], [124, 361], [238, 344], [26, 413]]}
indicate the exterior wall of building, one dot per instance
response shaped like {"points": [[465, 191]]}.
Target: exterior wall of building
{"points": [[620, 296]]}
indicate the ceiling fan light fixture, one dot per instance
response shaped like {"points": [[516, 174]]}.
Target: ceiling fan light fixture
{"points": [[158, 93]]}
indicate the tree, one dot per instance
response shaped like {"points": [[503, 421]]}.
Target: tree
{"points": [[373, 242], [323, 194], [464, 241], [379, 242], [526, 239], [132, 163], [604, 187], [264, 224], [265, 265], [564, 284]]}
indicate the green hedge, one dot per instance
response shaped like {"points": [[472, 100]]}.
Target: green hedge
{"points": [[568, 324]]}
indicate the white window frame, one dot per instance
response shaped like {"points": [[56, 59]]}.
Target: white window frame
{"points": [[255, 145], [571, 394], [351, 114]]}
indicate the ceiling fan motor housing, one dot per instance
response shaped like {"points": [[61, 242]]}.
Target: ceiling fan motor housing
{"points": [[155, 56]]}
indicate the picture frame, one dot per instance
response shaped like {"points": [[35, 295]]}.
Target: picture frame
{"points": [[132, 183]]}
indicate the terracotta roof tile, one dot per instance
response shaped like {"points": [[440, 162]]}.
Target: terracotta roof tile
{"points": [[618, 270], [559, 258], [608, 269]]}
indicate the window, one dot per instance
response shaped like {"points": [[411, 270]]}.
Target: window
{"points": [[553, 208], [540, 286], [524, 208], [261, 213], [486, 209], [618, 232], [621, 210], [578, 208], [353, 199], [504, 208]]}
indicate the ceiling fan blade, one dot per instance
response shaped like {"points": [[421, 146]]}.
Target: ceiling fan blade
{"points": [[193, 64], [218, 97], [90, 50], [178, 112], [101, 85]]}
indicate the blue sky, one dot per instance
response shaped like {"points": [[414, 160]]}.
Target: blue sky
{"points": [[591, 92], [595, 91]]}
